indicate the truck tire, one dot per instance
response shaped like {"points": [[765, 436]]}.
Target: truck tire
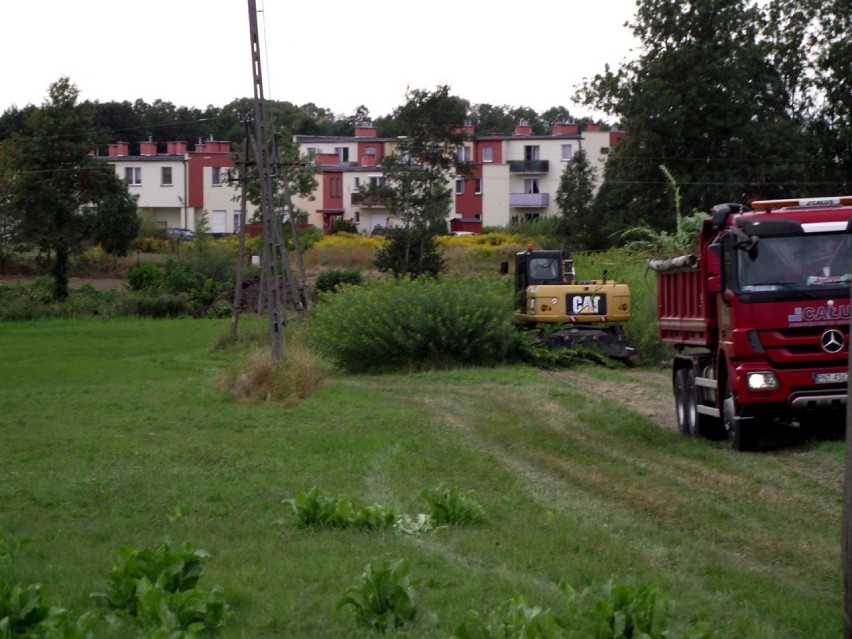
{"points": [[693, 419], [742, 433], [680, 393]]}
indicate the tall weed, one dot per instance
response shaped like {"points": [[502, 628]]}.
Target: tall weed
{"points": [[383, 597], [298, 374], [611, 611]]}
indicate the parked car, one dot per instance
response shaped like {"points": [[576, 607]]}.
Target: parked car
{"points": [[180, 234]]}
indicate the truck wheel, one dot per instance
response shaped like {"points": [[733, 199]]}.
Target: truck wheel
{"points": [[682, 400], [742, 433], [693, 419]]}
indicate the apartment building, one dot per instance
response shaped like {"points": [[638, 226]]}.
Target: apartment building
{"points": [[177, 187], [514, 177]]}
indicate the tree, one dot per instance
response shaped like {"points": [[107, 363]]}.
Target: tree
{"points": [[575, 197], [810, 45], [62, 197], [418, 177], [703, 99]]}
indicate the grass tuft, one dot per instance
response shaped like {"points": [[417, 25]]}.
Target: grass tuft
{"points": [[299, 373]]}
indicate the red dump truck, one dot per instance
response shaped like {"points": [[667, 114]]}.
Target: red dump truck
{"points": [[759, 318]]}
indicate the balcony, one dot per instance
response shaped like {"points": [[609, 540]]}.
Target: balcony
{"points": [[367, 201], [529, 200], [529, 166]]}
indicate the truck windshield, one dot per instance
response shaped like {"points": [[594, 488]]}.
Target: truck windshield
{"points": [[810, 260]]}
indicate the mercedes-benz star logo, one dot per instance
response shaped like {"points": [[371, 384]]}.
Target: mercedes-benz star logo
{"points": [[831, 341]]}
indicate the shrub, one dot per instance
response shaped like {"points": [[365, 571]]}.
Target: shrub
{"points": [[329, 281], [419, 324], [409, 254], [144, 276], [344, 226], [158, 305]]}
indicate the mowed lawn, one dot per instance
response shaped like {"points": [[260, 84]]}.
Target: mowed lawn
{"points": [[114, 433]]}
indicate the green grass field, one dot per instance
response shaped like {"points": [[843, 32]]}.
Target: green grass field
{"points": [[114, 433]]}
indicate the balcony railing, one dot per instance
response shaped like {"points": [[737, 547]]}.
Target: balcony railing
{"points": [[529, 166], [534, 200], [367, 200]]}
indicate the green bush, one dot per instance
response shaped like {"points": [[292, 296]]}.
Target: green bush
{"points": [[157, 305], [144, 276], [331, 280], [344, 226], [417, 324], [34, 301]]}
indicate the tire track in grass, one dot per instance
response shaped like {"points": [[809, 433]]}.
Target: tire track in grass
{"points": [[696, 486]]}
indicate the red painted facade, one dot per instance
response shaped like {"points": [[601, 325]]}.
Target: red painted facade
{"points": [[208, 154]]}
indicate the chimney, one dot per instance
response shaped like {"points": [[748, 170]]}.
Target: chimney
{"points": [[466, 129], [118, 149], [365, 131], [565, 128], [592, 127], [176, 148], [148, 147], [523, 128]]}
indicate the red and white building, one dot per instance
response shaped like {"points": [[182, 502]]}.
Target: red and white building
{"points": [[514, 176], [177, 187]]}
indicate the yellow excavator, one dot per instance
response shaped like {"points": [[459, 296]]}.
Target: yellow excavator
{"points": [[566, 311]]}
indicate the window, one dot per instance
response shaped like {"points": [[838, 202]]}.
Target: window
{"points": [[487, 154], [215, 176], [342, 153], [531, 185], [357, 183], [567, 151], [357, 217], [335, 187], [370, 150], [236, 221], [463, 153], [477, 185], [166, 176], [377, 180], [133, 175], [531, 153], [459, 186]]}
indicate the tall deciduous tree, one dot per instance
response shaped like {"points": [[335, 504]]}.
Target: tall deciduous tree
{"points": [[418, 178], [703, 99], [62, 197]]}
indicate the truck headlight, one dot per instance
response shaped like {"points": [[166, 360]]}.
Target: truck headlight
{"points": [[762, 381]]}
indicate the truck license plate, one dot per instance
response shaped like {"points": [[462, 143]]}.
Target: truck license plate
{"points": [[830, 378]]}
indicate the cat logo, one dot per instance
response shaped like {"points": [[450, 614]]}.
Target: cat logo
{"points": [[587, 304]]}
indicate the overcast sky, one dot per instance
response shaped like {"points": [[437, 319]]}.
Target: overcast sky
{"points": [[336, 54]]}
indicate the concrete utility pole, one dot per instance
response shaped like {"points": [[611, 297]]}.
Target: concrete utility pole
{"points": [[276, 271]]}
